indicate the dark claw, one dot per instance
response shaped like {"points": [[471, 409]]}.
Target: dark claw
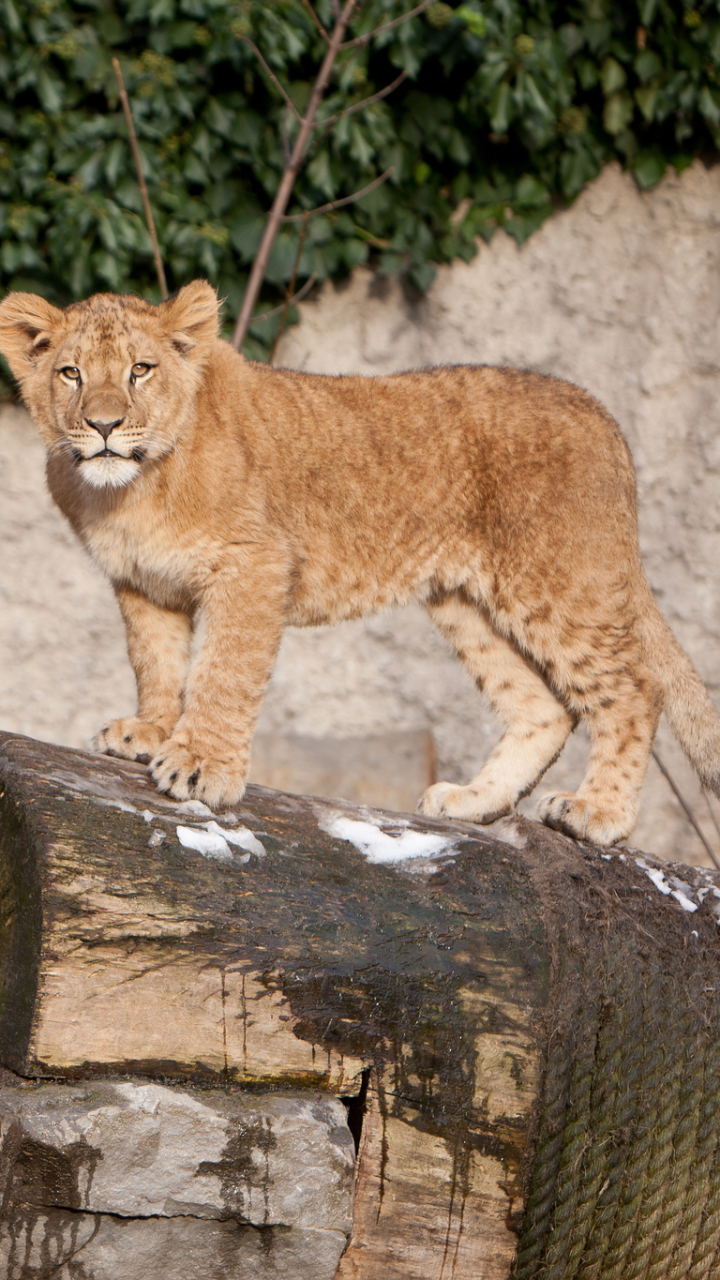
{"points": [[128, 737], [143, 759], [192, 780], [173, 777]]}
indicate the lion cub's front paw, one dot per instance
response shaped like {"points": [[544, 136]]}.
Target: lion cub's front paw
{"points": [[187, 773], [576, 817], [131, 739], [470, 804]]}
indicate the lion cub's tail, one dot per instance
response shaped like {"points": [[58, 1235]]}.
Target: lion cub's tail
{"points": [[690, 713]]}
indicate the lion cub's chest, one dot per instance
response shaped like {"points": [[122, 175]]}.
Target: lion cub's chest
{"points": [[157, 561]]}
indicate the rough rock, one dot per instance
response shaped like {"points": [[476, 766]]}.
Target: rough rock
{"points": [[141, 1149], [64, 1246]]}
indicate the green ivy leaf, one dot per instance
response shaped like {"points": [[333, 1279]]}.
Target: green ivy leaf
{"points": [[501, 108], [612, 76], [473, 19], [618, 112], [646, 99], [648, 168]]}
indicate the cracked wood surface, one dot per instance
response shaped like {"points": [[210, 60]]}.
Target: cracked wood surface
{"points": [[124, 952]]}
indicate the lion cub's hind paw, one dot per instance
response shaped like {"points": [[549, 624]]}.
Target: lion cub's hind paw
{"points": [[445, 800], [131, 739], [577, 818], [187, 774]]}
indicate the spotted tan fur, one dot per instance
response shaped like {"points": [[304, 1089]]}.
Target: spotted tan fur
{"points": [[232, 499]]}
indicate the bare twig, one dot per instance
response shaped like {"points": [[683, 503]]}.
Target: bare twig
{"points": [[387, 26], [686, 808], [287, 181], [338, 204], [711, 811], [289, 294], [366, 102], [317, 21], [159, 268], [297, 297], [271, 74]]}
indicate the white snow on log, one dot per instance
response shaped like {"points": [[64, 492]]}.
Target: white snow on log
{"points": [[206, 843], [194, 807], [241, 836], [378, 846], [658, 879], [213, 842]]}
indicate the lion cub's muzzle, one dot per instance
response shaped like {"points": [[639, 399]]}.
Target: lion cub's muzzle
{"points": [[117, 448], [105, 452]]}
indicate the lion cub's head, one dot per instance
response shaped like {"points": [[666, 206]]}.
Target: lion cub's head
{"points": [[111, 381]]}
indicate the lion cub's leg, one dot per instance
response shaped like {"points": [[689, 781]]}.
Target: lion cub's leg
{"points": [[158, 642], [536, 725], [241, 617], [621, 703]]}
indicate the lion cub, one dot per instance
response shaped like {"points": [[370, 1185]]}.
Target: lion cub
{"points": [[232, 499]]}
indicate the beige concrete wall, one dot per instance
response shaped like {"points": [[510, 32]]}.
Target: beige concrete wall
{"points": [[620, 293]]}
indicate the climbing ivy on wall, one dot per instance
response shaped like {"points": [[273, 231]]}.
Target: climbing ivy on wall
{"points": [[509, 107]]}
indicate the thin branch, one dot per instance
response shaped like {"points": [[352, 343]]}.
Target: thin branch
{"points": [[317, 21], [686, 808], [268, 315], [387, 26], [287, 182], [338, 204], [711, 811], [366, 102], [159, 268], [284, 93]]}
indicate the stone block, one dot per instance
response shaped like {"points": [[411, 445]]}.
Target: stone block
{"points": [[56, 1245], [126, 1178]]}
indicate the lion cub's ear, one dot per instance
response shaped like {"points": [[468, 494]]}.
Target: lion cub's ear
{"points": [[190, 318], [27, 326]]}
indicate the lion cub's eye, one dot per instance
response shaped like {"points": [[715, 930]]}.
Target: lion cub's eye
{"points": [[139, 370], [70, 373]]}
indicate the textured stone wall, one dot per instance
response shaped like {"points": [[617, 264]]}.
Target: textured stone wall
{"points": [[620, 294], [128, 1181]]}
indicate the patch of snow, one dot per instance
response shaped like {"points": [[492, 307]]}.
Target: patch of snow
{"points": [[196, 808], [661, 883], [148, 816], [241, 836], [378, 846], [206, 843], [685, 903]]}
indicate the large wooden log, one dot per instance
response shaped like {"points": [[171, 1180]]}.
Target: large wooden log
{"points": [[495, 1000]]}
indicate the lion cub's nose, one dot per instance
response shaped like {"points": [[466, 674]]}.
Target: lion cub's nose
{"points": [[104, 425]]}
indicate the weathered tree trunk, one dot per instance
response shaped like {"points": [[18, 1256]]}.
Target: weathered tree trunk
{"points": [[526, 1031]]}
